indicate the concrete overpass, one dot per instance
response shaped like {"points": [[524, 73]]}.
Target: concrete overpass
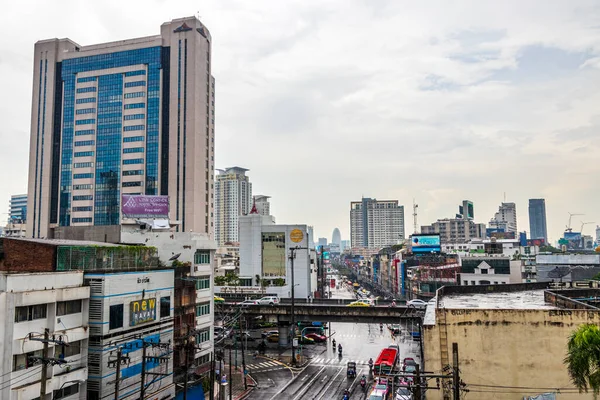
{"points": [[327, 313]]}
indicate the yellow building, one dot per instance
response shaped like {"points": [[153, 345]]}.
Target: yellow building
{"points": [[512, 339]]}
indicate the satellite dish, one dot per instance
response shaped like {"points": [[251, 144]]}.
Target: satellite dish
{"points": [[175, 257]]}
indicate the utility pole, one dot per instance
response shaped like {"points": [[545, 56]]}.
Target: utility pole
{"points": [[455, 372], [231, 377], [44, 365], [292, 256], [418, 394], [143, 381], [118, 373], [185, 382], [243, 355], [211, 390], [323, 274]]}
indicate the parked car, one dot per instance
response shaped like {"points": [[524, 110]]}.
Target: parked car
{"points": [[270, 300], [273, 338], [377, 394], [316, 337], [269, 333], [360, 303], [417, 303], [248, 303]]}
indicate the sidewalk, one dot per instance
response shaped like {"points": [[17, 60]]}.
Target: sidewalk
{"points": [[235, 384]]}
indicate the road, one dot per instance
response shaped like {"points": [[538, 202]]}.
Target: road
{"points": [[325, 377]]}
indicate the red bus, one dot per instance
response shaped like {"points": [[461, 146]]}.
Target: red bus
{"points": [[386, 362]]}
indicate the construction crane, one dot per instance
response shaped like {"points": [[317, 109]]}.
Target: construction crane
{"points": [[570, 217], [583, 224]]}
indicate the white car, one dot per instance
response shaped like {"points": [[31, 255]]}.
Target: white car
{"points": [[248, 303], [417, 303], [403, 393], [270, 300]]}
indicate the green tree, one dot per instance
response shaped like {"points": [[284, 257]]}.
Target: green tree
{"points": [[583, 358]]}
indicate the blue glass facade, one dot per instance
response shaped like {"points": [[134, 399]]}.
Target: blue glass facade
{"points": [[108, 127]]}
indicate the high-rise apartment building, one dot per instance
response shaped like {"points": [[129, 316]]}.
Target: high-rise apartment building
{"points": [[17, 208], [506, 218], [537, 219], [233, 197], [128, 117], [336, 238], [376, 223], [262, 204], [455, 230]]}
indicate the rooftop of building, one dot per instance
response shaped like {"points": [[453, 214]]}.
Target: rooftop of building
{"points": [[66, 242], [525, 300]]}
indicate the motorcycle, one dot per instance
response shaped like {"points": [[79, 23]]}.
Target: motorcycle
{"points": [[333, 343], [340, 351], [363, 383], [346, 394]]}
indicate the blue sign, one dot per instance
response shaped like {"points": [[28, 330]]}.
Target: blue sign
{"points": [[425, 243]]}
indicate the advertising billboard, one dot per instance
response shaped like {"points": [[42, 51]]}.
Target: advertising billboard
{"points": [[425, 243], [142, 311], [142, 206]]}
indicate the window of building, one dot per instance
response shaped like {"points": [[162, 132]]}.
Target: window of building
{"points": [[116, 316], [135, 84], [87, 89], [136, 73], [165, 307], [133, 172], [134, 116], [133, 150], [84, 143], [132, 184], [203, 335], [203, 282], [134, 95], [202, 309], [81, 220], [85, 100], [133, 128], [68, 307], [84, 153], [86, 79], [472, 282], [202, 257], [133, 139], [134, 106], [83, 165], [466, 283], [66, 391], [73, 349], [24, 361], [133, 161], [29, 313], [83, 197], [484, 271], [85, 121], [85, 111]]}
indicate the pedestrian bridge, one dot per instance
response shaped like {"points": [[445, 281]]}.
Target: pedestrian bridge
{"points": [[327, 312]]}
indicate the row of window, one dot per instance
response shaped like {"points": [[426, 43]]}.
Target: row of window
{"points": [[133, 139], [83, 165], [133, 150], [136, 73], [83, 197], [87, 79], [83, 208], [82, 220], [132, 184], [135, 84], [203, 282], [133, 128], [28, 360], [134, 105], [84, 143], [85, 111], [135, 95], [86, 100], [83, 176], [84, 132], [133, 172], [83, 153], [134, 116], [87, 89], [202, 257], [202, 309], [133, 161], [85, 121], [82, 187]]}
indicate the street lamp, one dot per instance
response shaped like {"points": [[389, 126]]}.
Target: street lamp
{"points": [[78, 381]]}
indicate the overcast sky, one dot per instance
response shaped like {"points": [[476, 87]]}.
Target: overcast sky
{"points": [[328, 101]]}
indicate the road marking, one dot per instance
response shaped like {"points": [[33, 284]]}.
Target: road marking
{"points": [[306, 387], [330, 383]]}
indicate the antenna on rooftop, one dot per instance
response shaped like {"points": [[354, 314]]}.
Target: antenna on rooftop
{"points": [[415, 205]]}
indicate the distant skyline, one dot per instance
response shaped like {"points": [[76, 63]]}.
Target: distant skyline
{"points": [[438, 101]]}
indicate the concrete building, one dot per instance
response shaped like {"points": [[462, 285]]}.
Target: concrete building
{"points": [[262, 204], [233, 198], [376, 223], [34, 296], [598, 235], [128, 117], [15, 229], [490, 270], [265, 255], [227, 259], [466, 210], [506, 336], [345, 245], [17, 208], [322, 242], [505, 220], [537, 219], [455, 230]]}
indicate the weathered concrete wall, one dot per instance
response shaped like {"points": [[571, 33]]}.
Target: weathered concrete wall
{"points": [[518, 348]]}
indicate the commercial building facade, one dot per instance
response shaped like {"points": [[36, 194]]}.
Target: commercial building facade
{"points": [[505, 220], [537, 219], [233, 198], [17, 208], [262, 204], [128, 117], [376, 223], [455, 230]]}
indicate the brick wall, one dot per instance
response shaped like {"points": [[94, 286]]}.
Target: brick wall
{"points": [[24, 256]]}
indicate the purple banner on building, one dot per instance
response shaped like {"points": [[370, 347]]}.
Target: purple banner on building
{"points": [[139, 206]]}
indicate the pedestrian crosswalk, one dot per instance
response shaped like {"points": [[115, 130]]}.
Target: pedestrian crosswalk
{"points": [[337, 361], [265, 366]]}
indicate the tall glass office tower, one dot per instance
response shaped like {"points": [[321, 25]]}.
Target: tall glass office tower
{"points": [[537, 219], [128, 117]]}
